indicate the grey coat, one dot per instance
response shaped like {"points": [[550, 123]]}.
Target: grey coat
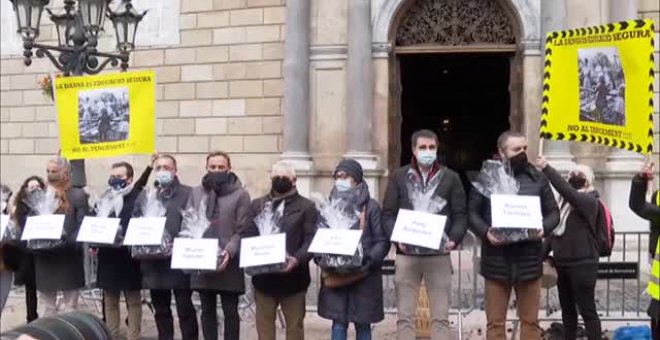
{"points": [[156, 273], [230, 213], [361, 302], [62, 268]]}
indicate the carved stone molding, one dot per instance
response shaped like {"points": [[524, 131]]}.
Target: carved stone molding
{"points": [[455, 23]]}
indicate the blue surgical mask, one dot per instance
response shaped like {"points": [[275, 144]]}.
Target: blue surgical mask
{"points": [[163, 177], [343, 184], [426, 157]]}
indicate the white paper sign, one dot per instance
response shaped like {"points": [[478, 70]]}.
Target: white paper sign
{"points": [[335, 241], [189, 253], [515, 211], [419, 229], [43, 227], [98, 230], [145, 231], [4, 221], [262, 250]]}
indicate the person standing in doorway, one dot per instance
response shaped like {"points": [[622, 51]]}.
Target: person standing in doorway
{"points": [[227, 205], [516, 266], [157, 274]]}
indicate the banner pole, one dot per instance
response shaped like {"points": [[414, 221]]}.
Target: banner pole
{"points": [[541, 147]]}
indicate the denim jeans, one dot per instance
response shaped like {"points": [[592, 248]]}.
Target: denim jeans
{"points": [[339, 330]]}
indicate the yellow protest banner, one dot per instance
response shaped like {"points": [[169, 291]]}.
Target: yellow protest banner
{"points": [[106, 115], [598, 85]]}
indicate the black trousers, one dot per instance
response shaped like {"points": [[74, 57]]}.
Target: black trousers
{"points": [[31, 301], [576, 286], [232, 322], [161, 300], [655, 329]]}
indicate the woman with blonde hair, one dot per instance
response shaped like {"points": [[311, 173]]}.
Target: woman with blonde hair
{"points": [[574, 247]]}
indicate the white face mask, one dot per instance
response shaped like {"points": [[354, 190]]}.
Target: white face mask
{"points": [[163, 177], [343, 184], [426, 157]]}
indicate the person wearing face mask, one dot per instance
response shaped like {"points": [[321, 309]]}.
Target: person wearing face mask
{"points": [[426, 174], [516, 266], [117, 271], [574, 249], [227, 205], [358, 298], [297, 218], [19, 255], [61, 269], [157, 275]]}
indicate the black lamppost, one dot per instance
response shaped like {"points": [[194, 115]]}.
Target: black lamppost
{"points": [[78, 30]]}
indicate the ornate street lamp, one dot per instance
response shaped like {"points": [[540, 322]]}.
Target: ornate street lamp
{"points": [[78, 30]]}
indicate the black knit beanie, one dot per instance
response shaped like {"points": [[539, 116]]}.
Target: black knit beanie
{"points": [[352, 168]]}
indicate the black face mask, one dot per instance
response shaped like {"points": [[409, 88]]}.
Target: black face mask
{"points": [[519, 161], [577, 182], [281, 185], [215, 180]]}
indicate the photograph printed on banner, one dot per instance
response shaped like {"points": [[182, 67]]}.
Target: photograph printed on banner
{"points": [[602, 86], [103, 115]]}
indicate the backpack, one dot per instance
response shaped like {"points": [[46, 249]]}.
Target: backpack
{"points": [[604, 230]]}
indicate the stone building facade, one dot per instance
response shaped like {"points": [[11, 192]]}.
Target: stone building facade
{"points": [[312, 81]]}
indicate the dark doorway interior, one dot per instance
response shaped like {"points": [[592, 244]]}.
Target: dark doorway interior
{"points": [[463, 97]]}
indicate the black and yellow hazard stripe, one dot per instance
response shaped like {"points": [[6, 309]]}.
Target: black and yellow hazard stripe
{"points": [[547, 74]]}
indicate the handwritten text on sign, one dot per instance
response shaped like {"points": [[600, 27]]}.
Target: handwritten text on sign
{"points": [[188, 253], [419, 228], [335, 241], [145, 231], [261, 250], [516, 211], [43, 227], [98, 230]]}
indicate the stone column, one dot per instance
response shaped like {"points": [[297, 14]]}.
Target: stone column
{"points": [[360, 89], [296, 92], [622, 164], [553, 14]]}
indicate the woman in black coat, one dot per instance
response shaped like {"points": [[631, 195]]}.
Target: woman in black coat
{"points": [[117, 271], [574, 247], [360, 302], [20, 255]]}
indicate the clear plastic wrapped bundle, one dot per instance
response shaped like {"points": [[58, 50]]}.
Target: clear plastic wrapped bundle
{"points": [[425, 201], [335, 215], [11, 232], [153, 207], [268, 224], [44, 203], [495, 179], [194, 224], [110, 202]]}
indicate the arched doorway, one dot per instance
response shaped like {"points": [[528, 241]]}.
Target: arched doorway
{"points": [[456, 69]]}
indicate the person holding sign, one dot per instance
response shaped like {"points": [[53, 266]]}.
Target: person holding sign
{"points": [[357, 296], [227, 203], [61, 269], [574, 247], [25, 274], [651, 213], [297, 219], [157, 276], [425, 178], [117, 271], [518, 265]]}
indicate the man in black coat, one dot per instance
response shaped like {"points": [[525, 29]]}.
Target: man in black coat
{"points": [[117, 271], [425, 176], [651, 213], [157, 274], [296, 217], [518, 265]]}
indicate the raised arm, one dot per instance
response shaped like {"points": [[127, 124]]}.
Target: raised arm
{"points": [[637, 200], [549, 208], [584, 203]]}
